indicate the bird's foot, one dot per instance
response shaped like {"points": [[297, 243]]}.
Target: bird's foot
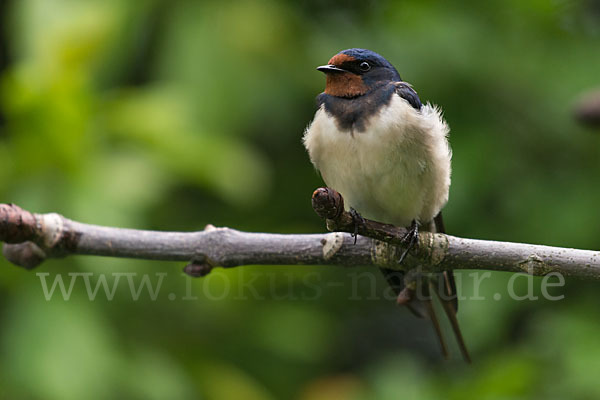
{"points": [[411, 239], [358, 221]]}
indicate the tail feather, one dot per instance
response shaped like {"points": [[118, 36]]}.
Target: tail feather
{"points": [[420, 303], [449, 297], [451, 314], [435, 322], [451, 293], [423, 306]]}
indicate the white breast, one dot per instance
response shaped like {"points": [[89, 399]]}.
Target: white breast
{"points": [[395, 171]]}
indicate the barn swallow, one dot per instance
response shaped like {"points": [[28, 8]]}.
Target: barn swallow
{"points": [[388, 155]]}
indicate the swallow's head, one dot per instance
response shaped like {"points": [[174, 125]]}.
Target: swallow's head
{"points": [[354, 72]]}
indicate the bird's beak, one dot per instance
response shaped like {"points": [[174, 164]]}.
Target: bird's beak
{"points": [[330, 68]]}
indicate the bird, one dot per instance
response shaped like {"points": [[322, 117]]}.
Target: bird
{"points": [[387, 153]]}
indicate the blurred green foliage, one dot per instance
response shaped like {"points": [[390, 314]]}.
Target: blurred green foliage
{"points": [[174, 114]]}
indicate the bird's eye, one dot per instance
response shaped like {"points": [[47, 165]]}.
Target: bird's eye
{"points": [[365, 66]]}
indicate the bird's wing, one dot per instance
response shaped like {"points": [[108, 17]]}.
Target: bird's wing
{"points": [[406, 91]]}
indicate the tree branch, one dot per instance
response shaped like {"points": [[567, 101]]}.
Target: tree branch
{"points": [[32, 238], [587, 109]]}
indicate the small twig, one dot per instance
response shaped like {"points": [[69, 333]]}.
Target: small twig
{"points": [[587, 110], [329, 205]]}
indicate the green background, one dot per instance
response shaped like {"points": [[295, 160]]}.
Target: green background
{"points": [[170, 115]]}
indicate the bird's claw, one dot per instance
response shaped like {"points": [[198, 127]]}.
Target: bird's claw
{"points": [[358, 221], [410, 239]]}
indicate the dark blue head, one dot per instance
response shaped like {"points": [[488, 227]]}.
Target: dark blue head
{"points": [[355, 72]]}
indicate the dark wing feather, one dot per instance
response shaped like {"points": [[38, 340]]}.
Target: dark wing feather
{"points": [[405, 90]]}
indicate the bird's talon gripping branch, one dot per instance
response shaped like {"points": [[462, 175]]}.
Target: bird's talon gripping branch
{"points": [[358, 220], [329, 204], [410, 239]]}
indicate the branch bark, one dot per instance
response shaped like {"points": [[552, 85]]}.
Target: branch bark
{"points": [[587, 109], [32, 238]]}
